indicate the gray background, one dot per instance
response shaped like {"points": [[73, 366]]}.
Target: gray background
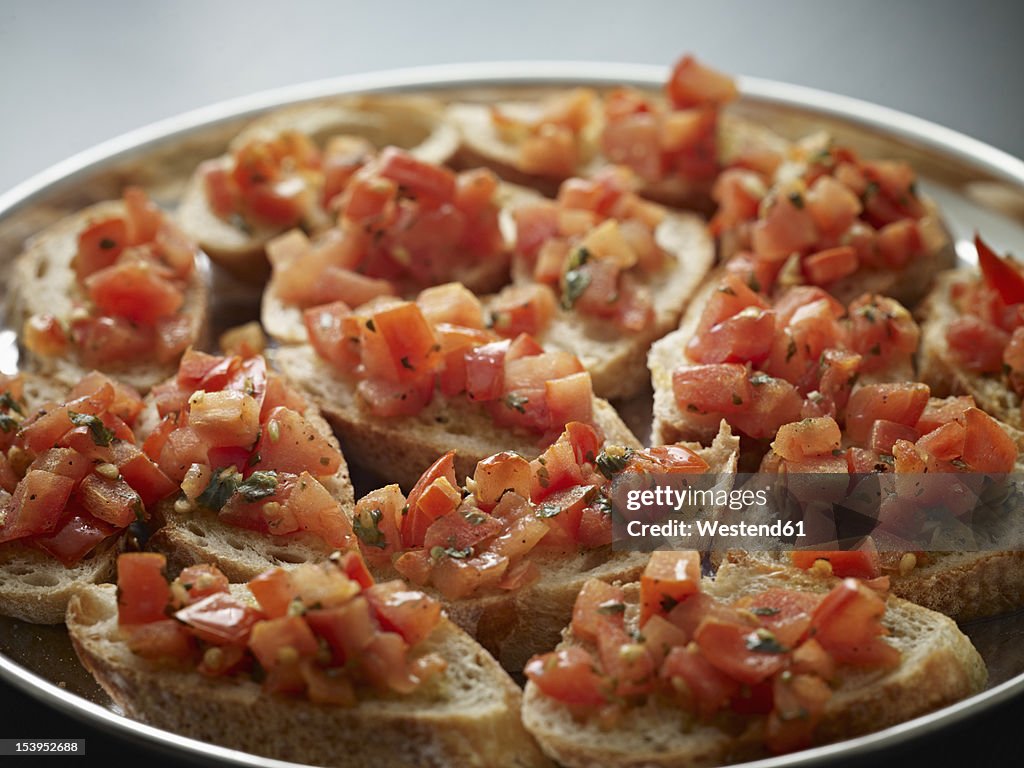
{"points": [[75, 73]]}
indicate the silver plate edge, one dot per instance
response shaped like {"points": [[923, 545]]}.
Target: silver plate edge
{"points": [[917, 130]]}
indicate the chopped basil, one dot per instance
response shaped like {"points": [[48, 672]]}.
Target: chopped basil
{"points": [[459, 554], [763, 641], [370, 326], [602, 503], [7, 423], [796, 199], [516, 402], [255, 459], [8, 402], [668, 603], [764, 611], [575, 280], [223, 484], [543, 477], [259, 485], [366, 527], [108, 243], [97, 429], [759, 379], [547, 510], [407, 365], [613, 459], [611, 608]]}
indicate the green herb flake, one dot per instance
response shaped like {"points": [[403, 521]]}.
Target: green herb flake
{"points": [[764, 611], [797, 200], [459, 554], [223, 484], [97, 429], [366, 527], [547, 510], [7, 402], [575, 282], [516, 402], [760, 379], [407, 365], [613, 459], [8, 423], [736, 399], [790, 350], [370, 326], [611, 608], [763, 641], [259, 485]]}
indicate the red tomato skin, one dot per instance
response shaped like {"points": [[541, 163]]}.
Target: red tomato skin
{"points": [[143, 593]]}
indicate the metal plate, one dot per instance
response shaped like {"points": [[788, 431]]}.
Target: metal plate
{"points": [[977, 186]]}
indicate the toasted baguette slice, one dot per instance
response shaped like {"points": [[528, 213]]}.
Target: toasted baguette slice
{"points": [[514, 626], [43, 281], [415, 123], [33, 586], [615, 358], [938, 667], [189, 535], [402, 448], [482, 144], [938, 367], [468, 716], [670, 423]]}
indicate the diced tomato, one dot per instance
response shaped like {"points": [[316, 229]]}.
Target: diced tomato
{"points": [[786, 227], [416, 522], [666, 460], [598, 604], [77, 536], [273, 591], [977, 344], [142, 590], [860, 563], [202, 580], [745, 337], [569, 399], [798, 704], [831, 264], [941, 411], [378, 519], [535, 225], [554, 470], [693, 84], [669, 578], [271, 640], [289, 443], [160, 639], [416, 175], [714, 388], [549, 152], [944, 443], [568, 675], [526, 308], [787, 613], [987, 446], [832, 204], [498, 474], [134, 291], [1001, 274], [37, 505], [451, 303], [44, 335], [99, 246], [900, 403], [220, 619], [112, 501], [746, 654], [707, 689], [847, 623], [226, 418], [319, 513], [408, 612], [775, 402]]}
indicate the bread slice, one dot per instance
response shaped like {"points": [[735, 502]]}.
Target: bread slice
{"points": [[469, 716], [43, 281], [401, 448], [35, 587], [939, 666], [513, 626], [938, 367], [670, 423], [188, 535], [411, 122], [482, 144]]}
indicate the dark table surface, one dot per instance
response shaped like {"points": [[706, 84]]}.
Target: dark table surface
{"points": [[78, 73]]}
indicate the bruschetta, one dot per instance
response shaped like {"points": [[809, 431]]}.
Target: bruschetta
{"points": [[317, 665], [924, 443], [602, 273], [676, 145], [508, 559], [971, 339], [117, 288], [72, 481], [761, 362], [286, 169], [403, 225], [829, 218], [258, 477], [679, 671], [402, 382]]}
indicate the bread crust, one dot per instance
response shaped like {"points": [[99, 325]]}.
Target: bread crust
{"points": [[939, 666], [468, 717], [43, 281]]}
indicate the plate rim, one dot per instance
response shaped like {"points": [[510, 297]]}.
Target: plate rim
{"points": [[922, 132]]}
